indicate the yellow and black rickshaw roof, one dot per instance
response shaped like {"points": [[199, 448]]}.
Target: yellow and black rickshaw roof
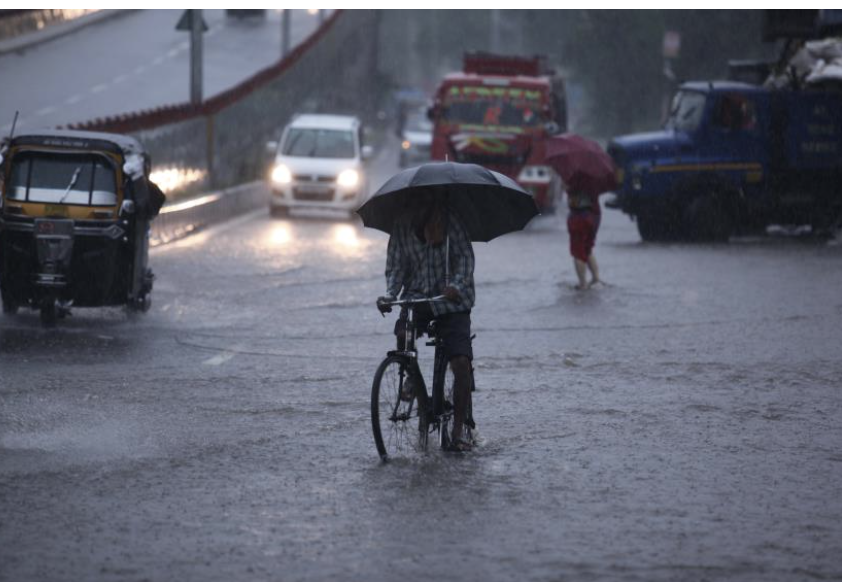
{"points": [[81, 140]]}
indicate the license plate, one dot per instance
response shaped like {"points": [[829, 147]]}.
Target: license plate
{"points": [[312, 189]]}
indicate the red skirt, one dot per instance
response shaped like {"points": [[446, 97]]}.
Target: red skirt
{"points": [[582, 227]]}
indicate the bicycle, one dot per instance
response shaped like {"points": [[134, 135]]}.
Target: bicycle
{"points": [[402, 420]]}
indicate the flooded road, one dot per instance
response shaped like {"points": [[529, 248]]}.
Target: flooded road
{"points": [[682, 423]]}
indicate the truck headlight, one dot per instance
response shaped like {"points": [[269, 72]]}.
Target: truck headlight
{"points": [[540, 174], [281, 174], [348, 178]]}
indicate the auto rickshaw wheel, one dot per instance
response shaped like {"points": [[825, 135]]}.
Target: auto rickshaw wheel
{"points": [[48, 312], [10, 307]]}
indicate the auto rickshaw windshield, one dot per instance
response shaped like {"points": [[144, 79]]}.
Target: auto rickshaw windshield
{"points": [[60, 178]]}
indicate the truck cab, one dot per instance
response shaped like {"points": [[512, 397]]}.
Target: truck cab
{"points": [[497, 113], [731, 155]]}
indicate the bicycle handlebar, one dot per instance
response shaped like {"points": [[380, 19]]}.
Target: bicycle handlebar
{"points": [[400, 302]]}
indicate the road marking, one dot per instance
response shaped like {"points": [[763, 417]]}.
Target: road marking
{"points": [[119, 79], [157, 60], [73, 99], [139, 69], [99, 88], [173, 53], [46, 110], [222, 357]]}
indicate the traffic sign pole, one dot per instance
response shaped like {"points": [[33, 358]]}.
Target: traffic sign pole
{"points": [[285, 29], [196, 56]]}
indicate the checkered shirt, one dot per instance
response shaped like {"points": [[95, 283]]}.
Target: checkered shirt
{"points": [[419, 268]]}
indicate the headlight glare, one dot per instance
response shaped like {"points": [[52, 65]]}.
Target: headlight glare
{"points": [[281, 174], [348, 178]]}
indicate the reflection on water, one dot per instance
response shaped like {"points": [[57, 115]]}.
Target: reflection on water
{"points": [[281, 235], [345, 235]]}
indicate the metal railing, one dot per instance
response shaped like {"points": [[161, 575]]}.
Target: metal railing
{"points": [[179, 220]]}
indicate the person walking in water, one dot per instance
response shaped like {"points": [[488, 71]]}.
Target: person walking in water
{"points": [[582, 224]]}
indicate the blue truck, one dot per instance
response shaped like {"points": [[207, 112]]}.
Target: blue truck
{"points": [[734, 157]]}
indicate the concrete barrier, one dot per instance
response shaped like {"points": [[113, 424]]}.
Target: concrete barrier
{"points": [[179, 220]]}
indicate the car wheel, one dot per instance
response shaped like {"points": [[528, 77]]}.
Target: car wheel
{"points": [[279, 211], [9, 306]]}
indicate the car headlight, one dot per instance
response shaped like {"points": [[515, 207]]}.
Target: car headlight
{"points": [[541, 174], [281, 174], [348, 178]]}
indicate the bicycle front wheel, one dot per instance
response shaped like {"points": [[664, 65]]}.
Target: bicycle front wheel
{"points": [[398, 423]]}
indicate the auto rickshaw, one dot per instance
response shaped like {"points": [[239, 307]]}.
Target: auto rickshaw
{"points": [[75, 209]]}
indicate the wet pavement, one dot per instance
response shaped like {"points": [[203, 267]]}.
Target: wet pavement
{"points": [[682, 423]]}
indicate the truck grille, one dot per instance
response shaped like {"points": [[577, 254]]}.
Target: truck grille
{"points": [[508, 165]]}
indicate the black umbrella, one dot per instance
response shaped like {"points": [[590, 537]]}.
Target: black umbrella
{"points": [[489, 204]]}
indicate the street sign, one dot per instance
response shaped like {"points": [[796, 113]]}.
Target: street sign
{"points": [[185, 23]]}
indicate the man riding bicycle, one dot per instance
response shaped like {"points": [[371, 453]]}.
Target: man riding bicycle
{"points": [[417, 263]]}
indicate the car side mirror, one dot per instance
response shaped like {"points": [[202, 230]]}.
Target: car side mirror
{"points": [[367, 152], [271, 147]]}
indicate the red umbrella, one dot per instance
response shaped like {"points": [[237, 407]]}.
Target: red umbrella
{"points": [[582, 164]]}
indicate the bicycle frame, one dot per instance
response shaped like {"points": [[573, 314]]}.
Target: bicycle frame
{"points": [[439, 363]]}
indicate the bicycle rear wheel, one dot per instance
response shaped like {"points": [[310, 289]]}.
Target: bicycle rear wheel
{"points": [[399, 425], [447, 418]]}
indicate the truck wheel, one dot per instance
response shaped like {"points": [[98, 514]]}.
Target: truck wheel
{"points": [[654, 229], [706, 219]]}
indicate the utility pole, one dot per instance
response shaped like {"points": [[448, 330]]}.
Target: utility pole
{"points": [[196, 57], [285, 31]]}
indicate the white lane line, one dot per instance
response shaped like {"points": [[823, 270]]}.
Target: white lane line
{"points": [[73, 99], [46, 110], [157, 60], [99, 88], [119, 79], [222, 357], [139, 69], [172, 53]]}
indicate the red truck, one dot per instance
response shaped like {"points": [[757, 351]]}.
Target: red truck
{"points": [[498, 113]]}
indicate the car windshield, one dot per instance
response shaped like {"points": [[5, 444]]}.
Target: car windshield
{"points": [[319, 143], [417, 121], [493, 106], [78, 179], [686, 111]]}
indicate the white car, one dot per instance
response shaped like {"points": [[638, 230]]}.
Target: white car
{"points": [[319, 164]]}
